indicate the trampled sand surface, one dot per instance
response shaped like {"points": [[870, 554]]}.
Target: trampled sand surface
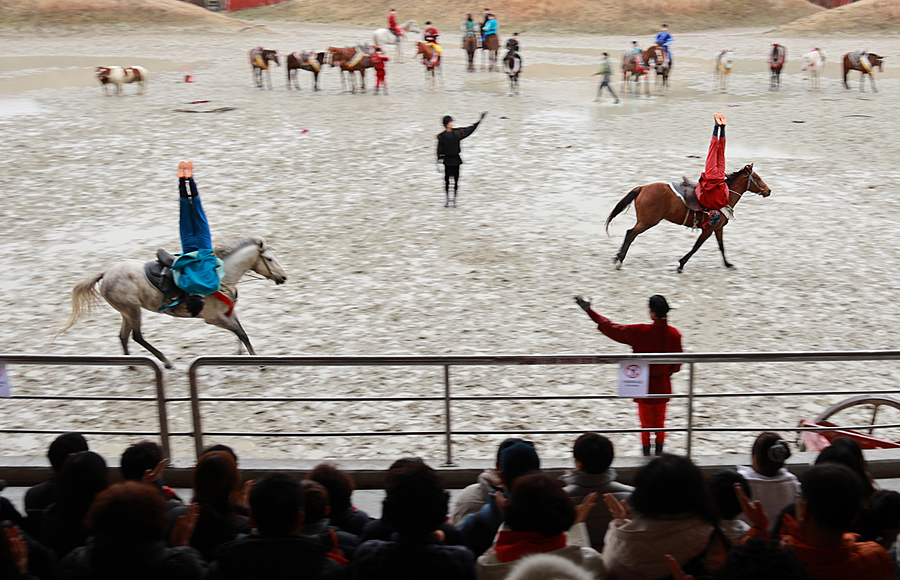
{"points": [[377, 265]]}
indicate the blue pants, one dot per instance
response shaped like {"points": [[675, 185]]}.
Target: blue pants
{"points": [[194, 227]]}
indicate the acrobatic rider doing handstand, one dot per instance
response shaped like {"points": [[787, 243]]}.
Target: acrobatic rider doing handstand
{"points": [[712, 191]]}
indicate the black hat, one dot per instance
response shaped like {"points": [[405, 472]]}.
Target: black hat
{"points": [[659, 305], [447, 119]]}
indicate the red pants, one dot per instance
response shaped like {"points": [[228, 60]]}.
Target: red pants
{"points": [[379, 79], [652, 416], [712, 192]]}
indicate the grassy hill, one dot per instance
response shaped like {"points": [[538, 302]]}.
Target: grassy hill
{"points": [[80, 12], [876, 16], [598, 16]]}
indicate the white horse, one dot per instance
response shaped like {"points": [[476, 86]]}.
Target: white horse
{"points": [[383, 36], [724, 66], [117, 75], [126, 288], [814, 66]]}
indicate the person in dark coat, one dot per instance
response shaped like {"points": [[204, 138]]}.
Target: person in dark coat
{"points": [[655, 337], [316, 524], [127, 525], [82, 477], [415, 506], [277, 551], [39, 497], [448, 150], [340, 488], [216, 483]]}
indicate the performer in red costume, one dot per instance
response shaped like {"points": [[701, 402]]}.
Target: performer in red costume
{"points": [[392, 23], [378, 59], [656, 337], [712, 191]]}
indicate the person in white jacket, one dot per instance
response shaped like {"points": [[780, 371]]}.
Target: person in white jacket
{"points": [[674, 516], [770, 483], [539, 518]]}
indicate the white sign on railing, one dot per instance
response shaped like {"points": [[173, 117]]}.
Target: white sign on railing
{"points": [[634, 379]]}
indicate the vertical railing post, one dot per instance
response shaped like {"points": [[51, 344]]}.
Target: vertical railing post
{"points": [[448, 430], [690, 409], [161, 411], [195, 409]]}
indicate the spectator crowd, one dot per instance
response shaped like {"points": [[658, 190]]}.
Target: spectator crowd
{"points": [[515, 523]]}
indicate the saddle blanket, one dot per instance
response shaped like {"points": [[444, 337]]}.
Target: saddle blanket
{"points": [[356, 58], [308, 59], [258, 59], [861, 59]]}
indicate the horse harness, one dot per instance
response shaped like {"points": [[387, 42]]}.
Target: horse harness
{"points": [[160, 275]]}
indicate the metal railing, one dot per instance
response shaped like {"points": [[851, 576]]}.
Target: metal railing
{"points": [[50, 360], [448, 398]]}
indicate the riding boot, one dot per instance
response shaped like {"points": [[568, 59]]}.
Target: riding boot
{"points": [[646, 450], [194, 304], [659, 449]]}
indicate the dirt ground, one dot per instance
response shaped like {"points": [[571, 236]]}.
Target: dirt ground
{"points": [[345, 188]]}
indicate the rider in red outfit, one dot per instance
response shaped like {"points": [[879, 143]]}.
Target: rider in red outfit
{"points": [[392, 23], [378, 59], [712, 191], [431, 33], [656, 337]]}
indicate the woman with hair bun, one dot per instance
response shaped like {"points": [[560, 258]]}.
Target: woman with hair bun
{"points": [[771, 484], [655, 337]]}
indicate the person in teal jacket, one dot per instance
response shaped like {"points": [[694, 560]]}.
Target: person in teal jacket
{"points": [[197, 270], [490, 27]]}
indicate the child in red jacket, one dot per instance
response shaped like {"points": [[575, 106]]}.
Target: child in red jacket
{"points": [[378, 60]]}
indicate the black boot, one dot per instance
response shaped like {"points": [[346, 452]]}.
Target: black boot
{"points": [[659, 449], [646, 451], [194, 304]]}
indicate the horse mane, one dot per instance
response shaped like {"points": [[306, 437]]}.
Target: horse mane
{"points": [[734, 175], [231, 246]]}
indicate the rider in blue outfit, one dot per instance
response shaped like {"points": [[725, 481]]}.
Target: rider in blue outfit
{"points": [[197, 270], [490, 27], [665, 40]]}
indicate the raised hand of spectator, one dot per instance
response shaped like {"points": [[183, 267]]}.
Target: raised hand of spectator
{"points": [[754, 511], [500, 500], [618, 509], [184, 527], [244, 498], [19, 548], [585, 507], [584, 304], [675, 568], [152, 475]]}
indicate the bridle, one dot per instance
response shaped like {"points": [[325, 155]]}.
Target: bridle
{"points": [[749, 181]]}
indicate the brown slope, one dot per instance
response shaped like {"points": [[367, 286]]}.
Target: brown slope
{"points": [[599, 16], [877, 16], [77, 12]]}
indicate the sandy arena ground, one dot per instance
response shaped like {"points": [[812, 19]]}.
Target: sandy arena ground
{"points": [[377, 265]]}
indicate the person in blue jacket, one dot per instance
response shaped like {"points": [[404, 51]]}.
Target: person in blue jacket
{"points": [[197, 270], [665, 40], [490, 27]]}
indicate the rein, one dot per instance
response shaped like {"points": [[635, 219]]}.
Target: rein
{"points": [[749, 181]]}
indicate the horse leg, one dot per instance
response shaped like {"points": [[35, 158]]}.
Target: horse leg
{"points": [[872, 82], [630, 235], [135, 321], [125, 334], [846, 86], [719, 233], [231, 323], [704, 235]]}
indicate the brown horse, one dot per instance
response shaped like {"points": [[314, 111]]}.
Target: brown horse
{"points": [[656, 202], [431, 58], [637, 70], [776, 63], [311, 61], [470, 44], [349, 60], [657, 57], [491, 46], [259, 62], [864, 62]]}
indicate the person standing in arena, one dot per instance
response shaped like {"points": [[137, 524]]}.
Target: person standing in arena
{"points": [[448, 150], [655, 337]]}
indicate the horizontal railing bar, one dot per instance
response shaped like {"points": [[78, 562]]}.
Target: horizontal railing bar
{"points": [[77, 398], [711, 357], [83, 432], [49, 359]]}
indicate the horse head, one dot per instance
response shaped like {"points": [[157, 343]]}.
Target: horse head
{"points": [[755, 182], [877, 61], [412, 26], [271, 55], [267, 265]]}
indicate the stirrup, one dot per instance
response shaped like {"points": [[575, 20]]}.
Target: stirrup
{"points": [[715, 217]]}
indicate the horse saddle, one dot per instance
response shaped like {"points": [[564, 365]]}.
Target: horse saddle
{"points": [[160, 276], [687, 191]]}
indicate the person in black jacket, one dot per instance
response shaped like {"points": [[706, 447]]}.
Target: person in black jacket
{"points": [[276, 552], [448, 150], [39, 497]]}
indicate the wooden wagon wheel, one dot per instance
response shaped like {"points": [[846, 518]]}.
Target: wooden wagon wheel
{"points": [[876, 401]]}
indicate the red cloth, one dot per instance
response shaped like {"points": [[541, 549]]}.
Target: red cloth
{"points": [[712, 191], [431, 31], [378, 61], [656, 337], [652, 416], [512, 545], [849, 559]]}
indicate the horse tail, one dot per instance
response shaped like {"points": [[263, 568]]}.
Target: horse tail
{"points": [[623, 205], [84, 296]]}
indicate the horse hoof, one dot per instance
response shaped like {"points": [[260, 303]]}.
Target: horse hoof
{"points": [[170, 366], [731, 266], [680, 270], [618, 264]]}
